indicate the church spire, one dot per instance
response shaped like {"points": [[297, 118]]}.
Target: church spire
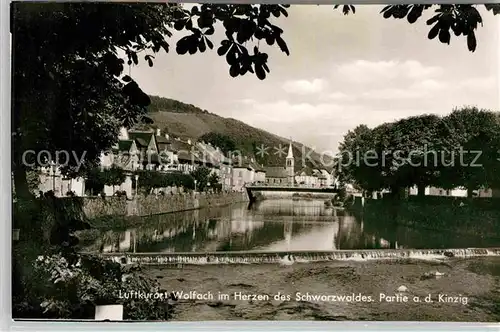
{"points": [[290, 150]]}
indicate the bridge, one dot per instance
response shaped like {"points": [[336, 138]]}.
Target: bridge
{"points": [[299, 189]]}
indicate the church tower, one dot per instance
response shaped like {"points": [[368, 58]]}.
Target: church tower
{"points": [[290, 171]]}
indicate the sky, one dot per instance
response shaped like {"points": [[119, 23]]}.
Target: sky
{"points": [[342, 71]]}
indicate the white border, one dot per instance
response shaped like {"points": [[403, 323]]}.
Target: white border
{"points": [[6, 323]]}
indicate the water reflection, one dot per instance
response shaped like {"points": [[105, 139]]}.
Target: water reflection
{"points": [[273, 225]]}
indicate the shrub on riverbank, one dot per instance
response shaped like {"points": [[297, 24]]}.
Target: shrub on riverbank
{"points": [[58, 286], [51, 280]]}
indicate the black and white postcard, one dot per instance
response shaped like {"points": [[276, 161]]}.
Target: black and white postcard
{"points": [[195, 162]]}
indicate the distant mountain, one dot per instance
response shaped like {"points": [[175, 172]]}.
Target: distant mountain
{"points": [[183, 120]]}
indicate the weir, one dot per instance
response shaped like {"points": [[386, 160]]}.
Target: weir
{"points": [[256, 257]]}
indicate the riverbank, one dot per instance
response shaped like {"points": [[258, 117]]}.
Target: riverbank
{"points": [[140, 206], [477, 280], [439, 215]]}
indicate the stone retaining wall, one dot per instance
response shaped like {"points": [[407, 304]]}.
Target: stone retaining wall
{"points": [[149, 205]]}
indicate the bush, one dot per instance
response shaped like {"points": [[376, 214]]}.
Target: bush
{"points": [[50, 280], [149, 180], [120, 193], [70, 286]]}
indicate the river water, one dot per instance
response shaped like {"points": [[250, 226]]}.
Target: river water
{"points": [[277, 225]]}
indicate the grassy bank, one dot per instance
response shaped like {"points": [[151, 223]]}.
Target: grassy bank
{"points": [[443, 215]]}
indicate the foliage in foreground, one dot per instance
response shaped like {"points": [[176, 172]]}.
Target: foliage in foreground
{"points": [[51, 280], [70, 286]]}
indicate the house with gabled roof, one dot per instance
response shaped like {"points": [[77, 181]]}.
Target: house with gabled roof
{"points": [[306, 177], [148, 148], [243, 173]]}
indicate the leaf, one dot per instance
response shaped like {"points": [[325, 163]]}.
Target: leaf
{"points": [[433, 32], [210, 31], [231, 57], [134, 58], [209, 43], [388, 12], [414, 14], [225, 44], [471, 41], [444, 36], [493, 7], [201, 45], [282, 45], [259, 71], [234, 70], [182, 47], [179, 25], [433, 19]]}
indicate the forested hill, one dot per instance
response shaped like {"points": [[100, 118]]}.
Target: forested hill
{"points": [[189, 121]]}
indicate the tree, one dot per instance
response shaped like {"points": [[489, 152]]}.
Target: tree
{"points": [[352, 163], [68, 90], [417, 143], [459, 150], [214, 182], [114, 176], [201, 175], [474, 149], [94, 180]]}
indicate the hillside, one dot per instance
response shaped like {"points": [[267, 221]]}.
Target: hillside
{"points": [[188, 121]]}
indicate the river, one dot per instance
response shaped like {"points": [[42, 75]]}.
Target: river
{"points": [[277, 225]]}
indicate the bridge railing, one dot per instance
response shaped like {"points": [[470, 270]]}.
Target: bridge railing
{"points": [[273, 185]]}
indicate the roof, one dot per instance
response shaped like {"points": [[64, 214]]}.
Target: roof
{"points": [[257, 167], [125, 145], [290, 151], [141, 138], [276, 172], [185, 156], [163, 146], [307, 171], [178, 146], [162, 140]]}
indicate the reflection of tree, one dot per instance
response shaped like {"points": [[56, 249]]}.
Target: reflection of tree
{"points": [[383, 222]]}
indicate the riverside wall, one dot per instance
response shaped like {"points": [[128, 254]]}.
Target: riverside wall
{"points": [[95, 207]]}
